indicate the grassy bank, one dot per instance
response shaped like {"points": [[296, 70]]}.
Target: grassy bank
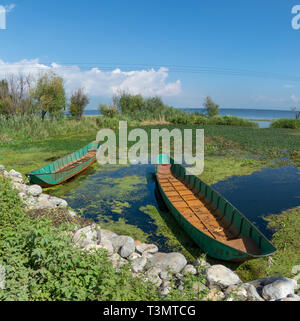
{"points": [[287, 242]]}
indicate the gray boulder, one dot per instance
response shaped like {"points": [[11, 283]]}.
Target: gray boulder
{"points": [[148, 248], [88, 235], [189, 268], [138, 264], [106, 234], [58, 202], [34, 190], [173, 261], [127, 248], [152, 275], [252, 293], [220, 276], [279, 289]]}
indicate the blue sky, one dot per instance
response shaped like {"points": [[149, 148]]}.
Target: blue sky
{"points": [[123, 40]]}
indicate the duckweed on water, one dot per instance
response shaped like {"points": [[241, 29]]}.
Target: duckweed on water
{"points": [[122, 227]]}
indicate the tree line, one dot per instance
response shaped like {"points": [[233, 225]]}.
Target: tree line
{"points": [[24, 95]]}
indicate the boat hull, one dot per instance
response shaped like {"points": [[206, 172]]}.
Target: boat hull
{"points": [[211, 246], [61, 171]]}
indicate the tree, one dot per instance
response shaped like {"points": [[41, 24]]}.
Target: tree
{"points": [[79, 100], [211, 108], [15, 95], [106, 111], [50, 95]]}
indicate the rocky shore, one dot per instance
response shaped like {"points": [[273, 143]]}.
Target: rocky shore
{"points": [[162, 269]]}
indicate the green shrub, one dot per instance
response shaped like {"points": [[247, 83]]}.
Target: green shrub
{"points": [[286, 123]]}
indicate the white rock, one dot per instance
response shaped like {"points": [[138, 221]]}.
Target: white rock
{"points": [[189, 268], [127, 248], [5, 173], [72, 213], [138, 264], [88, 235], [252, 293], [220, 276], [214, 295], [279, 289], [173, 261], [148, 248], [12, 173], [107, 245], [34, 190], [152, 275], [20, 187], [58, 202], [106, 234], [236, 293], [133, 256], [30, 202], [117, 261], [147, 255], [2, 168]]}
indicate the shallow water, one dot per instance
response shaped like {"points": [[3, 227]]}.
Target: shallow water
{"points": [[129, 192], [265, 192]]}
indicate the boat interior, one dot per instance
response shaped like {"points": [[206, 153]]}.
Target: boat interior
{"points": [[187, 198]]}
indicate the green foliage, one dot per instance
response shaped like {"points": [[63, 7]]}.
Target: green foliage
{"points": [[41, 263], [286, 123], [79, 100], [49, 95], [109, 112], [211, 108]]}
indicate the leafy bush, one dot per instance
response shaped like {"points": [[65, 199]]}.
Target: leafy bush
{"points": [[41, 263], [286, 123]]}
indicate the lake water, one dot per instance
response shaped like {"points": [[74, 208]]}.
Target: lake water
{"points": [[129, 193], [262, 116]]}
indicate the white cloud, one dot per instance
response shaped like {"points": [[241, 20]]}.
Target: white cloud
{"points": [[101, 83], [9, 7], [288, 86], [295, 99]]}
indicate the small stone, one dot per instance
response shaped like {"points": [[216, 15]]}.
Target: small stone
{"points": [[165, 275], [2, 168], [88, 235], [189, 268], [252, 293], [35, 190], [199, 287], [236, 292], [220, 276], [58, 202], [165, 287], [173, 261], [13, 173], [72, 213], [128, 247], [133, 256], [106, 234], [214, 295], [138, 264], [152, 275], [279, 289], [107, 245], [20, 187], [143, 247], [118, 261]]}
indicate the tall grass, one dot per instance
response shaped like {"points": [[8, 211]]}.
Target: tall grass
{"points": [[22, 127]]}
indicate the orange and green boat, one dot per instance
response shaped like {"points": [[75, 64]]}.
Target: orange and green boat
{"points": [[65, 168], [213, 223]]}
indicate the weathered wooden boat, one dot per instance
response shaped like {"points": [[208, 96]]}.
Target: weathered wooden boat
{"points": [[214, 224], [65, 168]]}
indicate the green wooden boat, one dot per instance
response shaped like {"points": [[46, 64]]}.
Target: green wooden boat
{"points": [[65, 168], [214, 224]]}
